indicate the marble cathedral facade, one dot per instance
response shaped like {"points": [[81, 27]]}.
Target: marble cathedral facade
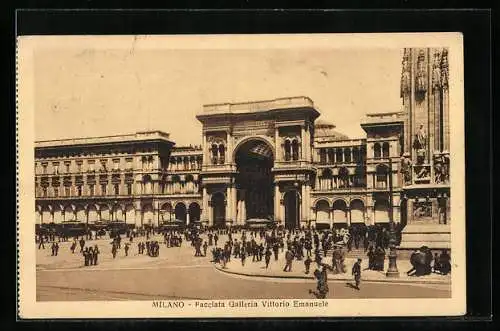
{"points": [[273, 160]]}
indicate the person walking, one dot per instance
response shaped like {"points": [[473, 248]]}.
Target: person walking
{"points": [[126, 248], [268, 257], [114, 250], [96, 254], [288, 259], [356, 272], [307, 264], [205, 247]]}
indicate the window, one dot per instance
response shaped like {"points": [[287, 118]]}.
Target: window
{"points": [[322, 156], [44, 192], [117, 189], [103, 189], [385, 150], [129, 163], [347, 155], [44, 168], [79, 166], [103, 165], [56, 167], [295, 150], [67, 191], [56, 192], [116, 164], [376, 151], [91, 165], [129, 189], [221, 154], [92, 189], [79, 190], [215, 153], [67, 166], [287, 150]]}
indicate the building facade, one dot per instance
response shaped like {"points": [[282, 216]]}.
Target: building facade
{"points": [[271, 160]]}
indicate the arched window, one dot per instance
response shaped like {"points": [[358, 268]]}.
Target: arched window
{"points": [[385, 149], [376, 150], [382, 172], [222, 151], [295, 150], [215, 153], [287, 150]]}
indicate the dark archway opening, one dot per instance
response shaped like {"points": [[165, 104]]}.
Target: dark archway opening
{"points": [[194, 212], [180, 212], [254, 181]]}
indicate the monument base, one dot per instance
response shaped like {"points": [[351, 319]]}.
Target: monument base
{"points": [[434, 236]]}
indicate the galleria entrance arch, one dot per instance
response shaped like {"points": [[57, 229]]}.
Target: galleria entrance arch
{"points": [[254, 180]]}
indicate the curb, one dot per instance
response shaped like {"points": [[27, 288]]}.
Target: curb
{"points": [[388, 280]]}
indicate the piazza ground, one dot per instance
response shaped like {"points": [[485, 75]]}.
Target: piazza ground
{"points": [[177, 274]]}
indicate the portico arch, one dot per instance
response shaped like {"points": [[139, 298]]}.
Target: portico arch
{"points": [[254, 158], [261, 138]]}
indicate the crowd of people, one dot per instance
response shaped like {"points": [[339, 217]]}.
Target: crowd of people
{"points": [[324, 251]]}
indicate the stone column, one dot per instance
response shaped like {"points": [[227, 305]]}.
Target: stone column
{"points": [[204, 212], [303, 211], [187, 217], [233, 204], [229, 150], [228, 202], [302, 155], [276, 202], [277, 144]]}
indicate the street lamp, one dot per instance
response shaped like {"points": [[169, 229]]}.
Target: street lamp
{"points": [[392, 270]]}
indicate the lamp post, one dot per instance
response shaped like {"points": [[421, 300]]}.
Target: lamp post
{"points": [[392, 270]]}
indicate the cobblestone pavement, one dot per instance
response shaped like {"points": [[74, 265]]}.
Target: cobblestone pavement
{"points": [[177, 274]]}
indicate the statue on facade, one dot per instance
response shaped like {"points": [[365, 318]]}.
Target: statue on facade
{"points": [[436, 71], [405, 73], [421, 77], [420, 144], [406, 169]]}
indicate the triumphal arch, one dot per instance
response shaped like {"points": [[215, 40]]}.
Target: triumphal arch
{"points": [[258, 161]]}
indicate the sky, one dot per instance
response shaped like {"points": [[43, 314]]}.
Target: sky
{"points": [[114, 86]]}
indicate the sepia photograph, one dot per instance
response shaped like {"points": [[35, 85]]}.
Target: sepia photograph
{"points": [[242, 175]]}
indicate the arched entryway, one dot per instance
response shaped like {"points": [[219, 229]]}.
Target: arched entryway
{"points": [[381, 211], [323, 212], [105, 213], [166, 212], [291, 201], [194, 212], [147, 214], [58, 215], [254, 180], [357, 211], [340, 211], [92, 214], [180, 212], [219, 209], [130, 214], [46, 215]]}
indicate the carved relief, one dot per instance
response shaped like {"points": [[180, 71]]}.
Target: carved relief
{"points": [[441, 169]]}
